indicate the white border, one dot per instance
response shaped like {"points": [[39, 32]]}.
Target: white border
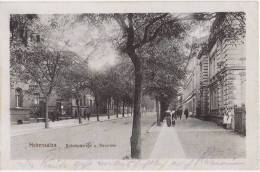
{"points": [[252, 103]]}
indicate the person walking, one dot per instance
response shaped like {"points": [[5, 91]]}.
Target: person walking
{"points": [[85, 114], [173, 118], [229, 118], [186, 113], [173, 114], [180, 113], [168, 118], [88, 115], [225, 118], [190, 114]]}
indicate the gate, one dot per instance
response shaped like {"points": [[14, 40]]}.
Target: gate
{"points": [[240, 120]]}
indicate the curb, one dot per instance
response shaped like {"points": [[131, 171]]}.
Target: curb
{"points": [[73, 125]]}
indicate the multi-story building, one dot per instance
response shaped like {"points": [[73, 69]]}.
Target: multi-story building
{"points": [[27, 104], [190, 94], [226, 77], [203, 85]]}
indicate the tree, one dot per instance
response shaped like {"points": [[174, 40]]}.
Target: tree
{"points": [[41, 66], [163, 72], [115, 83], [226, 27], [122, 85], [138, 30], [97, 84], [74, 81], [20, 28]]}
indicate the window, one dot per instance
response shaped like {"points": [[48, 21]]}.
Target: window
{"points": [[222, 96], [214, 98], [19, 97], [36, 97]]}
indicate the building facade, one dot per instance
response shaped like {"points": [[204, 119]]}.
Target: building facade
{"points": [[226, 78], [203, 86], [191, 92], [27, 104], [86, 104], [216, 81]]}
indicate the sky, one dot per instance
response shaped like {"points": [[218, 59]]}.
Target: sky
{"points": [[92, 43], [88, 42]]}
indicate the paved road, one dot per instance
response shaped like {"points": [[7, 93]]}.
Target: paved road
{"points": [[100, 140]]}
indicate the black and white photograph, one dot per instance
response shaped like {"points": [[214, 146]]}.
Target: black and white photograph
{"points": [[128, 86]]}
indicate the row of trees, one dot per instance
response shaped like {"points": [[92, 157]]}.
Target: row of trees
{"points": [[153, 49], [152, 41]]}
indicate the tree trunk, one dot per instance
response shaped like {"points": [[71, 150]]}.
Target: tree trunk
{"points": [[157, 111], [123, 113], [46, 112], [97, 112], [79, 116], [131, 110], [117, 108], [136, 129], [164, 106], [108, 107]]}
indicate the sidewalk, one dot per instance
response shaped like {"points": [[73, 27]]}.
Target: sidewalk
{"points": [[197, 139], [17, 130], [167, 142]]}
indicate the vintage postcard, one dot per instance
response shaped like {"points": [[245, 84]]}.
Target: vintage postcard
{"points": [[129, 85]]}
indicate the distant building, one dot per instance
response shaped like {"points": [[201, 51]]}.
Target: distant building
{"points": [[203, 85], [86, 104], [190, 94], [27, 104]]}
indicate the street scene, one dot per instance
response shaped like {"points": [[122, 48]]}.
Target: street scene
{"points": [[191, 138], [128, 86]]}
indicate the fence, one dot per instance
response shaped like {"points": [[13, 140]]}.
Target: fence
{"points": [[240, 120]]}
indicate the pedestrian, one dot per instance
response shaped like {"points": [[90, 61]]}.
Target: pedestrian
{"points": [[85, 114], [168, 118], [53, 116], [180, 113], [88, 115], [173, 118], [229, 118], [173, 114], [225, 118], [186, 113], [190, 114]]}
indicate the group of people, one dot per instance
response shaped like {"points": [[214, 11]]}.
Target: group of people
{"points": [[227, 118], [172, 116]]}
